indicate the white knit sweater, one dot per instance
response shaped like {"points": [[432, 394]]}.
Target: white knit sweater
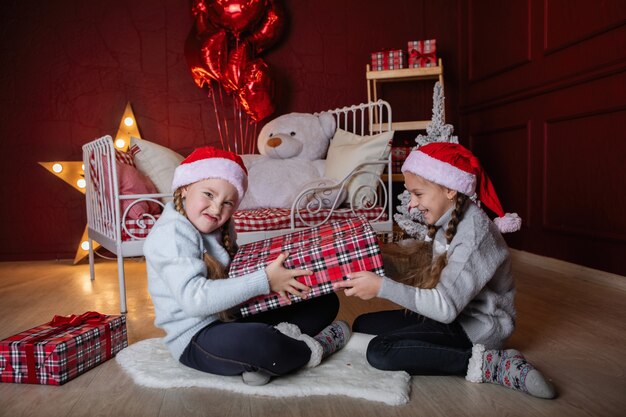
{"points": [[184, 300], [476, 287]]}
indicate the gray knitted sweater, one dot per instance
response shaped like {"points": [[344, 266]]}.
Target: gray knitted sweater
{"points": [[476, 287], [184, 300]]}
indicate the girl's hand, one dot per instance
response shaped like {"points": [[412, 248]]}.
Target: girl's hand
{"points": [[363, 284], [282, 280]]}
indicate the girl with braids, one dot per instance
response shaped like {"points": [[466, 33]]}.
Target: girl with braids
{"points": [[460, 306], [187, 255]]}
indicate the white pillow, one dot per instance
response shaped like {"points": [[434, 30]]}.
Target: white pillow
{"points": [[155, 161], [347, 151], [326, 197]]}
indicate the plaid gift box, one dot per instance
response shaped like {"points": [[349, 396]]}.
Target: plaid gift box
{"points": [[60, 350], [398, 156], [423, 53], [388, 60], [331, 251]]}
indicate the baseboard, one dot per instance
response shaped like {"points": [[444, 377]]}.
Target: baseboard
{"points": [[570, 269]]}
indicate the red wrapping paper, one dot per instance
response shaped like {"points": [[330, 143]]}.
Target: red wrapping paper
{"points": [[388, 60], [60, 350], [331, 251], [422, 53]]}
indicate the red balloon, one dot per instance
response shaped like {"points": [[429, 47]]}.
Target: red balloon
{"points": [[269, 29], [199, 12], [236, 15], [213, 53], [199, 73], [237, 62], [256, 94]]}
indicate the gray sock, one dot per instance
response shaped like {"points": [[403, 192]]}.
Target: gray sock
{"points": [[334, 337], [509, 368]]}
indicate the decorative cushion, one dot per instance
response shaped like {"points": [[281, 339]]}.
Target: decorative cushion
{"points": [[155, 161], [131, 181], [125, 158], [326, 197], [347, 151]]}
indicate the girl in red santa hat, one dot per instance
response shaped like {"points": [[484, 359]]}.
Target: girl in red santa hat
{"points": [[460, 306], [187, 255]]}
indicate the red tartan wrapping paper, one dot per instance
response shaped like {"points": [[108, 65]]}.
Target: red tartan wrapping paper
{"points": [[331, 251], [60, 350], [422, 53], [388, 60]]}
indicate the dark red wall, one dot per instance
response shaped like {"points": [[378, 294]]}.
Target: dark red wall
{"points": [[543, 104], [69, 67], [536, 87]]}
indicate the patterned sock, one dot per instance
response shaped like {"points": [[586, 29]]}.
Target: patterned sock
{"points": [[334, 337], [509, 368]]}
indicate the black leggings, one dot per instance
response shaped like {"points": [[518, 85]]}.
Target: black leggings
{"points": [[253, 344], [410, 342]]}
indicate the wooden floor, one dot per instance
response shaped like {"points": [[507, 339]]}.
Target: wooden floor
{"points": [[571, 325]]}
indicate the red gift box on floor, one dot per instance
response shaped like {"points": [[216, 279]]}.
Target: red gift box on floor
{"points": [[331, 251], [388, 60], [423, 53], [60, 350]]}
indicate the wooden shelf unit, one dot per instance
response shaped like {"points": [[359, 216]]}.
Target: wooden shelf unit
{"points": [[373, 78], [400, 75]]}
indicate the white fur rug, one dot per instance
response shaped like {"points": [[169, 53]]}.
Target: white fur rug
{"points": [[347, 372]]}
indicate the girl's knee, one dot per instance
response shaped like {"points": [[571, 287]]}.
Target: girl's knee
{"points": [[377, 354]]}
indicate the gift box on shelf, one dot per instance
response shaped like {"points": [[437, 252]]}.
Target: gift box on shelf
{"points": [[331, 251], [398, 156], [60, 350], [388, 60], [423, 53]]}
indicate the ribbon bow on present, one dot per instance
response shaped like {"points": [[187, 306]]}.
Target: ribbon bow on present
{"points": [[423, 52], [90, 317]]}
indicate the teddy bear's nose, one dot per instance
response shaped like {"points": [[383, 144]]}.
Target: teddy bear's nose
{"points": [[274, 142]]}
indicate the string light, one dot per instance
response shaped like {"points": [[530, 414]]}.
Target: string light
{"points": [[57, 168]]}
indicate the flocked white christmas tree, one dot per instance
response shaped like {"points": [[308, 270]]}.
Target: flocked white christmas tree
{"points": [[411, 221]]}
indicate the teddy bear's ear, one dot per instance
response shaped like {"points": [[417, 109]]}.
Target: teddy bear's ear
{"points": [[328, 123]]}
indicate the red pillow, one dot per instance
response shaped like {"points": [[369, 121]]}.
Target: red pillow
{"points": [[131, 181]]}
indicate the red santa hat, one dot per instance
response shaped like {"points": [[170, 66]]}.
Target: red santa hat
{"points": [[209, 162], [455, 167]]}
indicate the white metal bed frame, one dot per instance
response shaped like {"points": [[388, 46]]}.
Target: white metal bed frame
{"points": [[362, 119], [105, 218]]}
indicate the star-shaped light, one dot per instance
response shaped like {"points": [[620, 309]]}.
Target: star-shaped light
{"points": [[73, 172]]}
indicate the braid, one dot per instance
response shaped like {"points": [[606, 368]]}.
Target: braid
{"points": [[456, 216], [215, 270], [427, 276], [226, 241]]}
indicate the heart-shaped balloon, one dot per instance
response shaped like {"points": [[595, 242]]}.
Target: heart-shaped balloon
{"points": [[236, 15], [270, 28], [200, 74], [258, 89], [214, 52], [238, 59]]}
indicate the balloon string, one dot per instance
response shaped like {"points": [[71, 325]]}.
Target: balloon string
{"points": [[254, 136], [217, 118], [243, 141], [248, 139], [224, 118], [235, 128]]}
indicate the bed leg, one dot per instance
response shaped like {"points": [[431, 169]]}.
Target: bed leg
{"points": [[92, 272], [120, 274]]}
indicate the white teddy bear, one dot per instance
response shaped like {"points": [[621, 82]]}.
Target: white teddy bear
{"points": [[292, 155]]}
